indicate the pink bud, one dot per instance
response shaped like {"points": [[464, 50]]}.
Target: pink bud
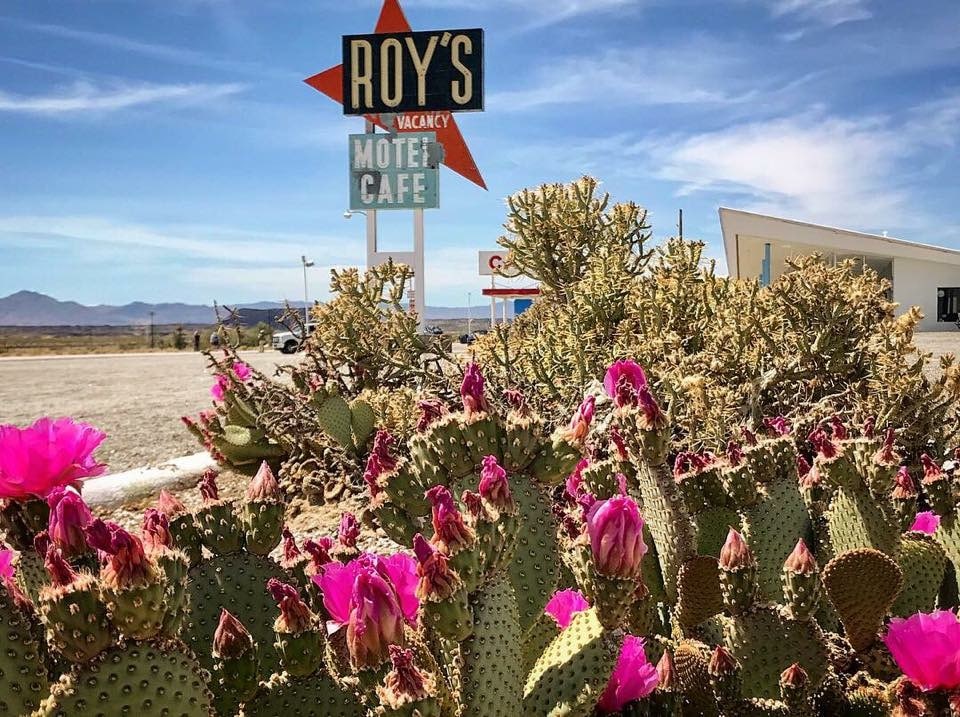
{"points": [[231, 639], [904, 488], [69, 515], [437, 580], [60, 572], [319, 551], [734, 453], [381, 461], [887, 455], [838, 429], [722, 662], [170, 505], [778, 426], [735, 553], [376, 621], [825, 447], [430, 411], [128, 563], [448, 523], [650, 408], [156, 530], [623, 381], [931, 471], [494, 487], [801, 560], [290, 550], [208, 486], [616, 536], [926, 522], [264, 486], [580, 423], [349, 530], [471, 390], [295, 616]]}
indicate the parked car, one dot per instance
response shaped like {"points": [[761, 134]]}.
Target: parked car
{"points": [[288, 342]]}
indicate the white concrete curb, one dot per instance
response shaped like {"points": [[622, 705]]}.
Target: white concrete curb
{"points": [[145, 482]]}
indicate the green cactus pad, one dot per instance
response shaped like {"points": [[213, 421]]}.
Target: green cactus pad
{"points": [[362, 421], [572, 672], [855, 520], [336, 420], [712, 526], [923, 563], [538, 637], [535, 566], [521, 441], [30, 573], [948, 536], [691, 659], [237, 582], [314, 696], [143, 679], [23, 675], [221, 529], [766, 642], [76, 618], [492, 682], [772, 527], [556, 460], [862, 585], [699, 596]]}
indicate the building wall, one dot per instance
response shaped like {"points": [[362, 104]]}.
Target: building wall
{"points": [[915, 283]]}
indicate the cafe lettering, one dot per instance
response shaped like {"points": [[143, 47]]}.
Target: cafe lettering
{"points": [[394, 171]]}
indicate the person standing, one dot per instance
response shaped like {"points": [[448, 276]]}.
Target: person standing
{"points": [[261, 339], [196, 340]]}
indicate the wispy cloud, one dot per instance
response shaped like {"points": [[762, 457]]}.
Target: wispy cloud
{"points": [[823, 12], [89, 98], [542, 12]]}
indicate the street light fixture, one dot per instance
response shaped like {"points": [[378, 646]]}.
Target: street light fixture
{"points": [[348, 214], [306, 296]]}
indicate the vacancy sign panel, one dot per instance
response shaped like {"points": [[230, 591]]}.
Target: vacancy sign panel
{"points": [[395, 171]]}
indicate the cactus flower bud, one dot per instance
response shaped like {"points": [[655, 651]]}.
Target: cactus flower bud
{"points": [[430, 411], [801, 560], [616, 536], [231, 640], [803, 467], [170, 505], [837, 428], [318, 550], [60, 572], [494, 486], [381, 461], [264, 486], [69, 515], [242, 371], [734, 453], [580, 423], [887, 455], [290, 550], [471, 390], [778, 426], [824, 444], [437, 580], [870, 427], [735, 553], [128, 563], [405, 684], [348, 531], [376, 621], [794, 677], [667, 672], [451, 532], [575, 479], [724, 672], [208, 486], [156, 530], [722, 662], [931, 471], [652, 414], [623, 381], [749, 437], [295, 616]]}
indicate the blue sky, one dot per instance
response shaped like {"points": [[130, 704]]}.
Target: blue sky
{"points": [[168, 149]]}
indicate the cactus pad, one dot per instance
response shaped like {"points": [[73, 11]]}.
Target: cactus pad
{"points": [[336, 420], [314, 696], [492, 682], [712, 526], [23, 676], [855, 520], [766, 642], [923, 563], [699, 596], [691, 659], [30, 573], [535, 566], [362, 421], [143, 679], [862, 585], [571, 674], [237, 582]]}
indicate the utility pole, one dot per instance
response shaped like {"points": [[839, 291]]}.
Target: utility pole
{"points": [[152, 337], [680, 225], [306, 295]]}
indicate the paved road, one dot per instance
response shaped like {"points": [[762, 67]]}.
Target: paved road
{"points": [[136, 398]]}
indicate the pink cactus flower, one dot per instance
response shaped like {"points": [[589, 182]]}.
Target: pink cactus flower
{"points": [[336, 583], [128, 563], [824, 444], [734, 453], [575, 479], [448, 523], [69, 515], [349, 530], [633, 677], [381, 461], [471, 390], [616, 536], [7, 564], [623, 381], [155, 531], [375, 621], [926, 522], [48, 454], [242, 371], [778, 426], [926, 648], [931, 471], [580, 423], [494, 486], [564, 605], [219, 388]]}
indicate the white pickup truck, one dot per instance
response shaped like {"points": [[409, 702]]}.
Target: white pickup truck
{"points": [[288, 342]]}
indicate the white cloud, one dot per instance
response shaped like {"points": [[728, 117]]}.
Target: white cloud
{"points": [[543, 12], [84, 96], [825, 12]]}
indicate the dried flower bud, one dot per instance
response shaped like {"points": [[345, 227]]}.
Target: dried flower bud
{"points": [[823, 443], [870, 427], [903, 486], [264, 486], [837, 428], [494, 487], [231, 639], [405, 683], [430, 411], [801, 560], [60, 572], [349, 530], [887, 455], [471, 390], [734, 453], [515, 399], [931, 471], [794, 677], [735, 553], [290, 550], [749, 437], [381, 461], [170, 505], [41, 543], [448, 523], [437, 580], [318, 550], [295, 616], [208, 486], [722, 662], [155, 530], [778, 426], [617, 439]]}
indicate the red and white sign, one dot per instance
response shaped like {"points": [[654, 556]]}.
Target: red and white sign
{"points": [[491, 264]]}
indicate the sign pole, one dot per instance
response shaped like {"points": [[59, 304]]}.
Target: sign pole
{"points": [[419, 270], [371, 215]]}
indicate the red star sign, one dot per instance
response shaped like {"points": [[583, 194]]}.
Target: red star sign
{"points": [[456, 153]]}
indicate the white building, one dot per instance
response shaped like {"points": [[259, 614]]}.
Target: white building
{"points": [[757, 246]]}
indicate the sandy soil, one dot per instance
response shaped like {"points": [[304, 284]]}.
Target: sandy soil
{"points": [[938, 343], [137, 399]]}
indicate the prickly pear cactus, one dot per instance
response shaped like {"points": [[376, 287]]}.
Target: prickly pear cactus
{"points": [[23, 671], [314, 696]]}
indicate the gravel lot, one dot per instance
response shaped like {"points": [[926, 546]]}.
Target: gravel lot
{"points": [[137, 399]]}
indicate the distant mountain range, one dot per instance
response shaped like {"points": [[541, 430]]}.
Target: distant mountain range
{"points": [[29, 308]]}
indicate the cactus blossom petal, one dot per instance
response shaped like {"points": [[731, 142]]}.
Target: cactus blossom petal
{"points": [[564, 605], [46, 455], [494, 486], [616, 536], [623, 380], [219, 388], [242, 371], [926, 648], [926, 522], [264, 486], [156, 530], [7, 569], [69, 515], [633, 677], [471, 389], [375, 620], [778, 426], [349, 530], [448, 523], [294, 613]]}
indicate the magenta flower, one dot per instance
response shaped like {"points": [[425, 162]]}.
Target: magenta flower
{"points": [[7, 564], [381, 461], [69, 515], [926, 522], [633, 677], [623, 382], [494, 486], [242, 371], [616, 536], [824, 444], [575, 479], [336, 582], [375, 621], [48, 454], [779, 426], [219, 389], [471, 389], [349, 530], [564, 605], [926, 648], [580, 423]]}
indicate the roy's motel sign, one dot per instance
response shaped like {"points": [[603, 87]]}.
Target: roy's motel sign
{"points": [[395, 171], [432, 71]]}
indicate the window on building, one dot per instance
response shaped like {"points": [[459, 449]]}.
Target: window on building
{"points": [[948, 304]]}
